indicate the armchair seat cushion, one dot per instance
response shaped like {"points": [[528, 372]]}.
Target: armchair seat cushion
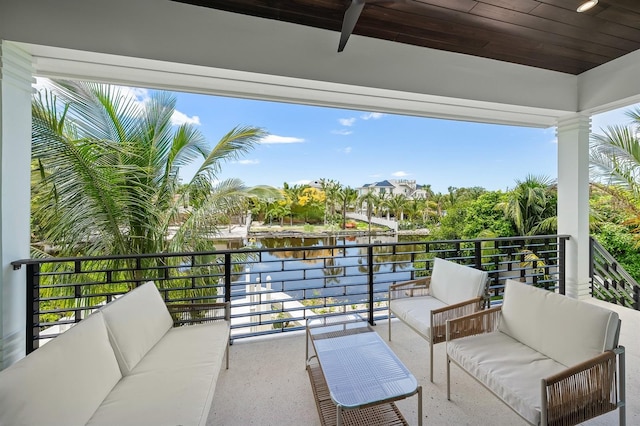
{"points": [[416, 312], [509, 368]]}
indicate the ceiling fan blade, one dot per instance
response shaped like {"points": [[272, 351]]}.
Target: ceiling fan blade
{"points": [[349, 21]]}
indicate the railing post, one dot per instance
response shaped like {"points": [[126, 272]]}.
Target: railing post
{"points": [[478, 254], [562, 260], [591, 268], [227, 277], [77, 294], [370, 271], [32, 316]]}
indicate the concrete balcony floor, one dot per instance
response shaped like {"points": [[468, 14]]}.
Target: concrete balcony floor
{"points": [[267, 383]]}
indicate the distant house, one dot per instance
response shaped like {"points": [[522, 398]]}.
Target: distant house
{"points": [[405, 187]]}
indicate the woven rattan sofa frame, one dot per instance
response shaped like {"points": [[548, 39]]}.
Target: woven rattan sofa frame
{"points": [[569, 397]]}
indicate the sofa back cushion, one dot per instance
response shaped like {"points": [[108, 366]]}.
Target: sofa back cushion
{"points": [[63, 382], [565, 329], [454, 283], [136, 322]]}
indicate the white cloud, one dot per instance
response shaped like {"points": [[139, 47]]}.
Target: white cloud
{"points": [[343, 132], [272, 139], [399, 174], [372, 116], [178, 118], [347, 121], [137, 95], [346, 150], [248, 162]]}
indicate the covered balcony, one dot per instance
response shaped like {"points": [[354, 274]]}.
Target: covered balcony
{"points": [[274, 292], [513, 65]]}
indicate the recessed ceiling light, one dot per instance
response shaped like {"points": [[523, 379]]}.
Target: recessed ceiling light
{"points": [[587, 5]]}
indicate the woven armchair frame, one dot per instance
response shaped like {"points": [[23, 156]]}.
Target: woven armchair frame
{"points": [[413, 288], [485, 321], [439, 317], [585, 391], [185, 314]]}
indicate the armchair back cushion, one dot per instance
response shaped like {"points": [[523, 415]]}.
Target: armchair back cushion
{"points": [[565, 329], [453, 283], [135, 324]]}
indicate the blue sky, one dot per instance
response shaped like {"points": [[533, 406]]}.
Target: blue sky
{"points": [[308, 143]]}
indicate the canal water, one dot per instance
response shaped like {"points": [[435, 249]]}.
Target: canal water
{"points": [[319, 273]]}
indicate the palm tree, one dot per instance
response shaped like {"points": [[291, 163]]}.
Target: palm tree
{"points": [[331, 189], [397, 203], [349, 197], [107, 173], [615, 155], [368, 199], [428, 193], [532, 206]]}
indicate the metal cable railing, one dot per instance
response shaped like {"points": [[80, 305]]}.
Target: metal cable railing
{"points": [[609, 280], [275, 290]]}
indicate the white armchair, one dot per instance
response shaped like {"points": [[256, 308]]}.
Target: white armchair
{"points": [[425, 304]]}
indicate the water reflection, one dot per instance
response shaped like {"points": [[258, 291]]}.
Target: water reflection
{"points": [[341, 270]]}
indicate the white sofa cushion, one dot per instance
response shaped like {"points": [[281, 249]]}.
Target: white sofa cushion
{"points": [[64, 381], [173, 384], [416, 312], [512, 370], [454, 283], [562, 328], [136, 322]]}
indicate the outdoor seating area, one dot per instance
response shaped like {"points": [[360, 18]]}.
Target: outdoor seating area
{"points": [[125, 363], [269, 385]]}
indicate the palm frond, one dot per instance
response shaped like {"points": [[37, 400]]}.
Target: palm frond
{"points": [[232, 146]]}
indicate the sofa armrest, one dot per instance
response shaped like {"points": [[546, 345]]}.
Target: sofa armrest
{"points": [[413, 288], [439, 317], [583, 391], [198, 313], [485, 321]]}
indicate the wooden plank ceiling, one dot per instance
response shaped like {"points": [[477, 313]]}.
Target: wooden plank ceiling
{"points": [[547, 34]]}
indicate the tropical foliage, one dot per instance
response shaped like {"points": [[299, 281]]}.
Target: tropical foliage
{"points": [[532, 206], [615, 192], [107, 173]]}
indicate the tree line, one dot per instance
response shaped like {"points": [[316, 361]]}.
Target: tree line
{"points": [[106, 180]]}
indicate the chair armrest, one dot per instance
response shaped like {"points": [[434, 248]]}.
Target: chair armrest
{"points": [[198, 313], [439, 317], [583, 391], [485, 321], [413, 288]]}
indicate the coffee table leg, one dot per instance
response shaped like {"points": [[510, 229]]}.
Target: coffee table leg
{"points": [[338, 415], [419, 405]]}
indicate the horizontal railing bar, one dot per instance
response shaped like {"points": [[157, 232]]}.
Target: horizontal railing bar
{"points": [[304, 283]]}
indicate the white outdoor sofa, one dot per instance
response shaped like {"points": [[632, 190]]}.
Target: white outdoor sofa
{"points": [[125, 364], [552, 359], [425, 304]]}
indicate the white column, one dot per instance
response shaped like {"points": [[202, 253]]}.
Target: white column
{"points": [[16, 75], [573, 199]]}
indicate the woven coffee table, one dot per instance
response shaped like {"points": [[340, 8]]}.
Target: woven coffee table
{"points": [[355, 376]]}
